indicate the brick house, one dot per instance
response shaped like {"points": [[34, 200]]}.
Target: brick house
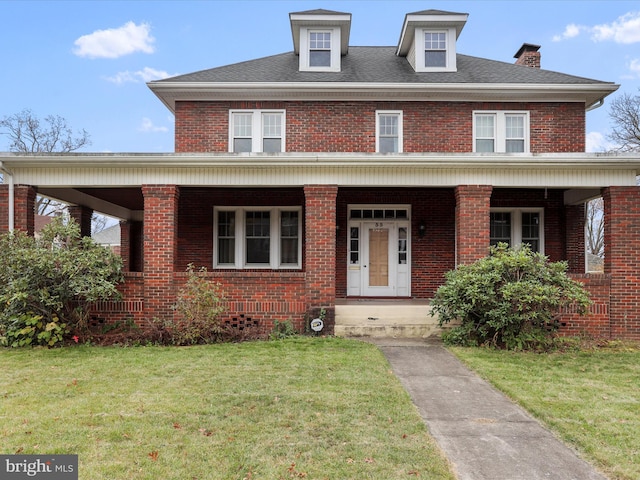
{"points": [[335, 177]]}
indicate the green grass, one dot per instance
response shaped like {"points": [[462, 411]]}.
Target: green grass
{"points": [[297, 408], [591, 399]]}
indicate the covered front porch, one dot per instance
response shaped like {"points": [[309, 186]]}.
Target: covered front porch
{"points": [[346, 213]]}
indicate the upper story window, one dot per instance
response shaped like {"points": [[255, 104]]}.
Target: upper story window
{"points": [[256, 131], [258, 237], [501, 132], [516, 227], [388, 131], [320, 50], [435, 49]]}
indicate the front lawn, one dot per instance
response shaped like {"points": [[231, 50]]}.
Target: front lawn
{"points": [[591, 399], [297, 408]]}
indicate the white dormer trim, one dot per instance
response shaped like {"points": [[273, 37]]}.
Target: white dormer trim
{"points": [[336, 23], [420, 51], [412, 38], [305, 50]]}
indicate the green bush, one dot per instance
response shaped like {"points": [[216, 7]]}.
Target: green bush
{"points": [[509, 299], [49, 283], [199, 302]]}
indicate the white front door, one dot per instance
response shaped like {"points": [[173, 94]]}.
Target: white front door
{"points": [[379, 258]]}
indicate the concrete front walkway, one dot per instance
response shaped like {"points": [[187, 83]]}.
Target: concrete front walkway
{"points": [[483, 434]]}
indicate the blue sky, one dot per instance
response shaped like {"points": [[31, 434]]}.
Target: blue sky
{"points": [[88, 61]]}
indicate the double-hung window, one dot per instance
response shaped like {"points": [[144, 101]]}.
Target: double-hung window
{"points": [[256, 131], [319, 49], [516, 227], [500, 132], [260, 237], [435, 49], [388, 131]]}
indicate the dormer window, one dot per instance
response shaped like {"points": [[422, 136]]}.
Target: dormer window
{"points": [[435, 49], [320, 39], [428, 40], [319, 49]]}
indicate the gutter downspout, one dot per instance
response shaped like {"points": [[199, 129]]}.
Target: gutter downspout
{"points": [[594, 105], [11, 196]]}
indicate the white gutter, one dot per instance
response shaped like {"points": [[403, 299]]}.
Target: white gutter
{"points": [[11, 196]]}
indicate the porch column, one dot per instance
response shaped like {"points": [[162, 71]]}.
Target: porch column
{"points": [[472, 222], [320, 251], [4, 208], [160, 249], [125, 245], [622, 259], [574, 216], [25, 208], [82, 215]]}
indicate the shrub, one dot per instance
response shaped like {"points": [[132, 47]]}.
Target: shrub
{"points": [[510, 299], [200, 303], [49, 283]]}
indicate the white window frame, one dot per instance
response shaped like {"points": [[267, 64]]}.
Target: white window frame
{"points": [[396, 113], [305, 49], [516, 223], [257, 128], [240, 238], [450, 55], [500, 132]]}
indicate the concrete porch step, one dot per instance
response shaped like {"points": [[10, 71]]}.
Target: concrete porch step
{"points": [[385, 318]]}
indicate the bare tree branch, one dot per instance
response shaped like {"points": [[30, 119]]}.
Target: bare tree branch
{"points": [[625, 115], [28, 134]]}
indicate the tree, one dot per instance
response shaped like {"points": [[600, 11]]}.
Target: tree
{"points": [[50, 282], [625, 115], [595, 227], [28, 134]]}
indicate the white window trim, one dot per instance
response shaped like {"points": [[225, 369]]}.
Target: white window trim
{"points": [[305, 50], [516, 223], [398, 113], [240, 238], [256, 128], [451, 65], [500, 126]]}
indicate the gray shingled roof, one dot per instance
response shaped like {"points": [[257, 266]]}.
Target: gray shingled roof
{"points": [[380, 65]]}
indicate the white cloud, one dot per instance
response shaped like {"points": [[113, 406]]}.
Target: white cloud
{"points": [[147, 74], [596, 142], [116, 42], [634, 66], [570, 31], [625, 29], [148, 126]]}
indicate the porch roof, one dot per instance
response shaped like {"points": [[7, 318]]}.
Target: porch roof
{"points": [[110, 183]]}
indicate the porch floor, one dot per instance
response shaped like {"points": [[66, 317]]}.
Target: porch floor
{"points": [[385, 317]]}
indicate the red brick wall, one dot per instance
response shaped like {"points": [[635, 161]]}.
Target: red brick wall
{"points": [[25, 208], [596, 323], [131, 307], [160, 247], [320, 247], [82, 216], [472, 222], [622, 258], [260, 297], [350, 126], [4, 208]]}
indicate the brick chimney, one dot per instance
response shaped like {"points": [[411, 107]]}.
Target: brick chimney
{"points": [[528, 55]]}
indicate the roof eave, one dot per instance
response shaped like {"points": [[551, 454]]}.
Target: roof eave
{"points": [[171, 92]]}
